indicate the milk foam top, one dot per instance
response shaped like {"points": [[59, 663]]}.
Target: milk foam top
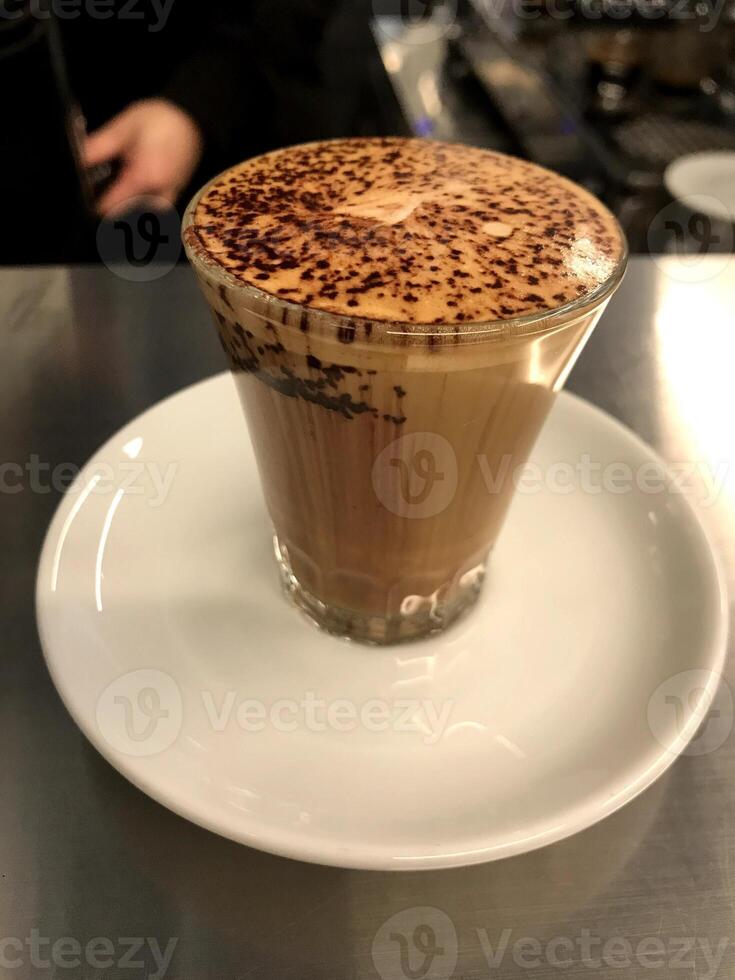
{"points": [[407, 230]]}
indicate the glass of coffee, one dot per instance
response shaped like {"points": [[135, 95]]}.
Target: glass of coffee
{"points": [[398, 315]]}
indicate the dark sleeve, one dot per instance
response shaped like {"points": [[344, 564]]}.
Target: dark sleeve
{"points": [[248, 54]]}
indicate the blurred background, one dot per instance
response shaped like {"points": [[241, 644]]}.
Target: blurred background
{"points": [[116, 110]]}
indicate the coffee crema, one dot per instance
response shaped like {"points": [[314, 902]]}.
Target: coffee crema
{"points": [[407, 230]]}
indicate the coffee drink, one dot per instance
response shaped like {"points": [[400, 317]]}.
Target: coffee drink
{"points": [[398, 314]]}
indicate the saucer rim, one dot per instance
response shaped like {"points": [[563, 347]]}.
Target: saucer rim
{"points": [[319, 850]]}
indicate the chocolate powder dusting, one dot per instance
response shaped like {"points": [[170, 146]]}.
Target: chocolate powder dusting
{"points": [[407, 230]]}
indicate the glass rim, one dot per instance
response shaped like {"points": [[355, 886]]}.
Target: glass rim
{"points": [[531, 324]]}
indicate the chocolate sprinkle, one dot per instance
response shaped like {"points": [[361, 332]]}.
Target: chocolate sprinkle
{"points": [[407, 230]]}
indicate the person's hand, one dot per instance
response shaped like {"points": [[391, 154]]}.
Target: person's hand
{"points": [[158, 146]]}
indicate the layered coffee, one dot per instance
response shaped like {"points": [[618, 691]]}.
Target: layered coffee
{"points": [[398, 315]]}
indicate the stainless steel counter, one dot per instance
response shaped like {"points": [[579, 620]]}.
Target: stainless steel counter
{"points": [[88, 859]]}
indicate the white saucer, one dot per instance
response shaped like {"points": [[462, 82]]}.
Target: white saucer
{"points": [[569, 688], [705, 182]]}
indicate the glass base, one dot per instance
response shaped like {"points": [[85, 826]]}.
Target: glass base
{"points": [[423, 615]]}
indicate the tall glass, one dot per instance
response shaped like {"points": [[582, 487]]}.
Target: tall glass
{"points": [[387, 451]]}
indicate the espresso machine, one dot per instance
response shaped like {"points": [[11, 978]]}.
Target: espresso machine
{"points": [[609, 92]]}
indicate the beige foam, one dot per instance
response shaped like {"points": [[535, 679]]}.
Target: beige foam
{"points": [[407, 230]]}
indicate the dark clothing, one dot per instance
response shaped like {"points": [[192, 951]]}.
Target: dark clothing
{"points": [[254, 74], [44, 211], [246, 70]]}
